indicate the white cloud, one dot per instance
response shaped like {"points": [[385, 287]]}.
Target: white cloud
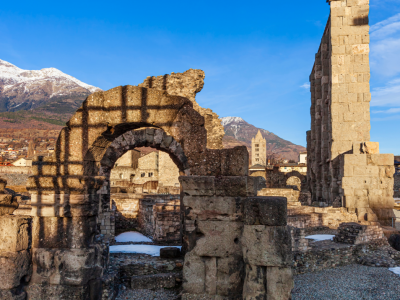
{"points": [[306, 85], [385, 45], [388, 95], [388, 111], [386, 27]]}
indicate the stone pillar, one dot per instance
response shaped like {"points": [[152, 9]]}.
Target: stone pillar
{"points": [[67, 261], [339, 149], [266, 245], [15, 256], [219, 264]]}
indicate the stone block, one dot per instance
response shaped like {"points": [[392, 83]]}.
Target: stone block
{"points": [[355, 159], [254, 283], [7, 204], [268, 246], [213, 208], [279, 282], [67, 266], [194, 272], [220, 238], [15, 233], [366, 148], [270, 211], [54, 232], [13, 267], [198, 185], [229, 276], [154, 281], [238, 186], [64, 205], [370, 171], [170, 252], [381, 159], [234, 161], [13, 294]]}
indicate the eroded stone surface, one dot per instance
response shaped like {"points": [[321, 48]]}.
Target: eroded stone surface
{"points": [[15, 233], [188, 84], [13, 267]]}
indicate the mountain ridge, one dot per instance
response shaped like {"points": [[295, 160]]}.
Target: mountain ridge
{"points": [[238, 132], [33, 89]]}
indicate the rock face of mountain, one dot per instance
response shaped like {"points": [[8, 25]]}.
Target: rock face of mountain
{"points": [[239, 132], [48, 90]]}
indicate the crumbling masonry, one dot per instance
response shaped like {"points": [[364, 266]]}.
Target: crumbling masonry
{"points": [[345, 168], [236, 245]]}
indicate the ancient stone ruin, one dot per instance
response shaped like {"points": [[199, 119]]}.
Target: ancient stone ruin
{"points": [[236, 244], [242, 236], [344, 166]]}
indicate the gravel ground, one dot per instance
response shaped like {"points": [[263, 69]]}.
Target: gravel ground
{"points": [[148, 295], [348, 283]]}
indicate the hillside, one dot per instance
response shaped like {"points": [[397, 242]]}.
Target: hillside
{"points": [[32, 97], [239, 133]]}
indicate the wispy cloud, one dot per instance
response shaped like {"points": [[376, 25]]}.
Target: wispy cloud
{"points": [[385, 45], [306, 85], [388, 111], [388, 95], [387, 27]]}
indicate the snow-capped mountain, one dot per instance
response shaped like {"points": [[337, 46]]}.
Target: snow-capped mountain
{"points": [[239, 132], [30, 89]]}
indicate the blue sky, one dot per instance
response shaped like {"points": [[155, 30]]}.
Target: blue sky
{"points": [[257, 55]]}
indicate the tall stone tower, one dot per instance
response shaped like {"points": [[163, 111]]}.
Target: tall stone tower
{"points": [[258, 150], [344, 166]]}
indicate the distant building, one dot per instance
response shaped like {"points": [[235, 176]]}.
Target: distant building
{"points": [[258, 150], [292, 167], [303, 158], [137, 169], [22, 162]]}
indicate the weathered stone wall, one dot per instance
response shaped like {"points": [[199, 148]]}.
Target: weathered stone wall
{"points": [[354, 233], [71, 188], [167, 223], [344, 168], [150, 217], [188, 84], [127, 210], [15, 179], [328, 254], [290, 194], [15, 170], [307, 216], [237, 245], [15, 255]]}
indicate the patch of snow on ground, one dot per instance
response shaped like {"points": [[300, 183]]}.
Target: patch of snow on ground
{"points": [[152, 250], [320, 237], [131, 236], [395, 270]]}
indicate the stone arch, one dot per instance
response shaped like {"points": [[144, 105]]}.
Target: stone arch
{"points": [[302, 178], [68, 188]]}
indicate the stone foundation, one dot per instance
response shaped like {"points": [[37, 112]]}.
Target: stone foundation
{"points": [[237, 245], [353, 233]]}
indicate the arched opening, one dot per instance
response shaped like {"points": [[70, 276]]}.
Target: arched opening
{"points": [[71, 192], [148, 203], [294, 182]]}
